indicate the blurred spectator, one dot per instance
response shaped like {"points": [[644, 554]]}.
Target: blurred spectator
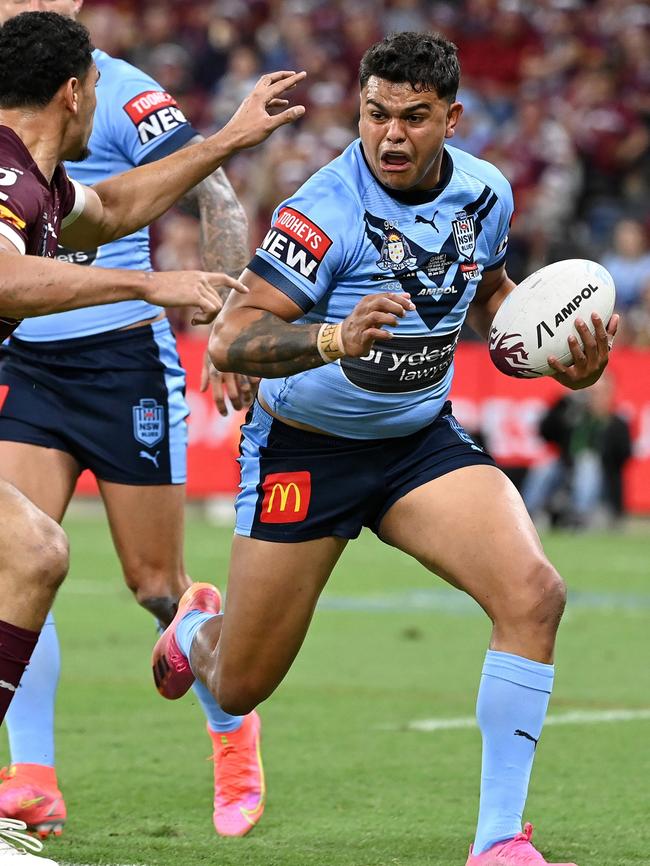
{"points": [[628, 262], [610, 137], [476, 130], [242, 72], [536, 154], [557, 93], [637, 323], [593, 445]]}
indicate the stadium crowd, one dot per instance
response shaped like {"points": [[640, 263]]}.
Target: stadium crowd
{"points": [[556, 93]]}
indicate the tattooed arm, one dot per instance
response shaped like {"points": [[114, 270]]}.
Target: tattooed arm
{"points": [[254, 333], [223, 242], [224, 227]]}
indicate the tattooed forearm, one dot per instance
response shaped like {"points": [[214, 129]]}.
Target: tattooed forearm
{"points": [[224, 226], [271, 347]]}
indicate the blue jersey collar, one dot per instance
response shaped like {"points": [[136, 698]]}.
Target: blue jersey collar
{"points": [[418, 196]]}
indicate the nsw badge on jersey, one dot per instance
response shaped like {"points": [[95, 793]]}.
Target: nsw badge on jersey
{"points": [[154, 112], [464, 234], [148, 422]]}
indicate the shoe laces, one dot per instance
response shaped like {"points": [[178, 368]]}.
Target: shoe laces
{"points": [[532, 856], [11, 835], [526, 835]]}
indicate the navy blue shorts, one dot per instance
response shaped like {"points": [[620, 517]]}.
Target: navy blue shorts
{"points": [[114, 401], [297, 486]]}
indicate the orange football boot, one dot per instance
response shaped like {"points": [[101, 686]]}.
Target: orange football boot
{"points": [[30, 793], [172, 673], [239, 788]]}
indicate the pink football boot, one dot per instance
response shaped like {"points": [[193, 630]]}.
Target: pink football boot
{"points": [[515, 852]]}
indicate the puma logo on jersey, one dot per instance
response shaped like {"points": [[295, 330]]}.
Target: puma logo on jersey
{"points": [[432, 222], [152, 457]]}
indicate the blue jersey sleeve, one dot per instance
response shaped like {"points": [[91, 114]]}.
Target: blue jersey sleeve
{"points": [[503, 213], [145, 121], [312, 238]]}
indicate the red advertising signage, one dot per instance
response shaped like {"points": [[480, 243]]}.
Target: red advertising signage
{"points": [[506, 411]]}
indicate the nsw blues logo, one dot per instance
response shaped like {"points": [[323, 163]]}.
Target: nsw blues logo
{"points": [[148, 422], [395, 252], [464, 234]]}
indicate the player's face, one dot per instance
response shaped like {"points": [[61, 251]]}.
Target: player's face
{"points": [[403, 131], [9, 8], [82, 125]]}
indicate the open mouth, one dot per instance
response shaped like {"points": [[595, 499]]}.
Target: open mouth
{"points": [[394, 161]]}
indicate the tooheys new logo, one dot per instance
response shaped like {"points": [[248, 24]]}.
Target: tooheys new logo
{"points": [[298, 242], [154, 112]]}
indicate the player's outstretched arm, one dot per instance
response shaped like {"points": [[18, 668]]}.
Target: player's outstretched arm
{"points": [[33, 286], [255, 335], [125, 203]]}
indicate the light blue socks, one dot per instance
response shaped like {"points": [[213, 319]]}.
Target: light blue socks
{"points": [[30, 719], [511, 708], [219, 721]]}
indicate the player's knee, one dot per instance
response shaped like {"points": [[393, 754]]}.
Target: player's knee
{"points": [[543, 596], [48, 558]]}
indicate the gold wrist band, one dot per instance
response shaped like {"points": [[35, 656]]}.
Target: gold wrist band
{"points": [[329, 342]]}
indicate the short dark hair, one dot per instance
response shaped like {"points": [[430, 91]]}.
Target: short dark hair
{"points": [[427, 61], [40, 51]]}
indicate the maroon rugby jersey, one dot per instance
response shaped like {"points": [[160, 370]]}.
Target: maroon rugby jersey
{"points": [[32, 210]]}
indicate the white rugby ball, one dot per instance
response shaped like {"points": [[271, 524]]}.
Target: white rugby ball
{"points": [[538, 316]]}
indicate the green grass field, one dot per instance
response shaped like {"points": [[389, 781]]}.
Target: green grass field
{"points": [[350, 781]]}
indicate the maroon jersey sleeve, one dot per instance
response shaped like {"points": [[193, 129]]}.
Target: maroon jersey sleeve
{"points": [[71, 197], [31, 209], [17, 203]]}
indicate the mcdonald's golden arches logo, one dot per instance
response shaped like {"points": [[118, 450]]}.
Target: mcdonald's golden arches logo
{"points": [[286, 497]]}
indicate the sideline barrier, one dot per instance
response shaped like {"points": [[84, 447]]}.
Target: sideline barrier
{"points": [[506, 412]]}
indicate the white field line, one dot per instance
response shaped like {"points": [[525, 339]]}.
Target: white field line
{"points": [[573, 717], [418, 600]]}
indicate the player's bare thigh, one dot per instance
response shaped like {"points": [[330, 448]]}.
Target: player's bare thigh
{"points": [[46, 476], [147, 524], [472, 528], [272, 592]]}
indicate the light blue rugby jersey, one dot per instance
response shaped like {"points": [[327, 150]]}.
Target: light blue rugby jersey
{"points": [[135, 122], [342, 236]]}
